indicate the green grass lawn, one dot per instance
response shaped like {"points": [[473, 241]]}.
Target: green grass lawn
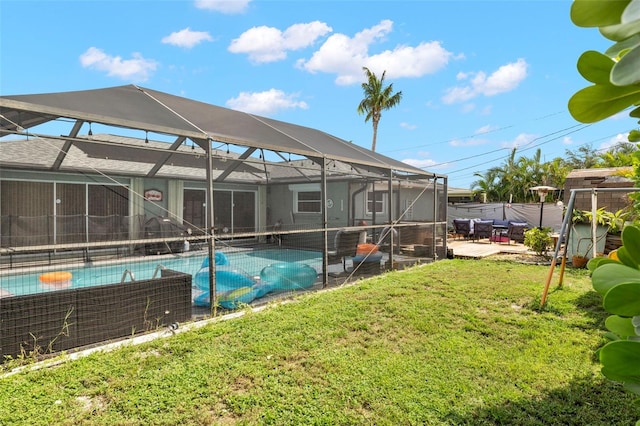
{"points": [[453, 342]]}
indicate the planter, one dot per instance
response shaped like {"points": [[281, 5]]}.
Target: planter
{"points": [[580, 240], [579, 261], [91, 315]]}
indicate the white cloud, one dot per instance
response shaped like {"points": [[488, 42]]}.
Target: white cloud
{"points": [[467, 142], [567, 140], [622, 115], [488, 128], [467, 108], [137, 68], [520, 141], [269, 44], [186, 38], [224, 6], [616, 140], [420, 163], [408, 126], [504, 79], [345, 56], [265, 103]]}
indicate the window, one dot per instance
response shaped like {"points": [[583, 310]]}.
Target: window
{"points": [[379, 203], [308, 202]]}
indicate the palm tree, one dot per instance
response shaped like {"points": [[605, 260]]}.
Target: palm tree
{"points": [[377, 98], [488, 183]]}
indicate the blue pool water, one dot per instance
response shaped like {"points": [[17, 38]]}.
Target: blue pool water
{"points": [[250, 262]]}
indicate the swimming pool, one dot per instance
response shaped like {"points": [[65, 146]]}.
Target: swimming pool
{"points": [[248, 261]]}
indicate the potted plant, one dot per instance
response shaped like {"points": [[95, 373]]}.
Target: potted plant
{"points": [[579, 258], [616, 222]]}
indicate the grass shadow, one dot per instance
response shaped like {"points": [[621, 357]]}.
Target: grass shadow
{"points": [[585, 401]]}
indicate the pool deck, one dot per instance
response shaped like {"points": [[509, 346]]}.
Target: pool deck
{"points": [[479, 249]]}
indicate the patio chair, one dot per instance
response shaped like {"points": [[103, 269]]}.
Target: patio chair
{"points": [[516, 231], [483, 229], [462, 227], [345, 245]]}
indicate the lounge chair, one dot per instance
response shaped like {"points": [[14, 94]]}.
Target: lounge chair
{"points": [[483, 229], [345, 245], [516, 231], [462, 227]]}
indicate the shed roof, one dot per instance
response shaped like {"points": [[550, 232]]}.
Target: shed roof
{"points": [[596, 172]]}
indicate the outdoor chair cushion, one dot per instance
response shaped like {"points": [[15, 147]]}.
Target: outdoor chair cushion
{"points": [[483, 229], [501, 223], [516, 231], [462, 227]]}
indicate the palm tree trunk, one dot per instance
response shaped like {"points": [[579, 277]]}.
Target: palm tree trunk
{"points": [[375, 136]]}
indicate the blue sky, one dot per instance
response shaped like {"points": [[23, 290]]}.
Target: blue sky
{"points": [[477, 77]]}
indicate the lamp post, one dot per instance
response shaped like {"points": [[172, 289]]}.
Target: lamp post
{"points": [[542, 191]]}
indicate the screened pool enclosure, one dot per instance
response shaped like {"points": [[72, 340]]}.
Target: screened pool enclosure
{"points": [[109, 179]]}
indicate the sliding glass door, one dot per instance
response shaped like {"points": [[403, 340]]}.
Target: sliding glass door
{"points": [[234, 210]]}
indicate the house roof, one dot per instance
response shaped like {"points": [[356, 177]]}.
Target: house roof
{"points": [[122, 156], [135, 107]]}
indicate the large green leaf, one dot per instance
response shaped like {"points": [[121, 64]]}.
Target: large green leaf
{"points": [[636, 324], [621, 31], [597, 13], [634, 388], [595, 103], [595, 67], [621, 326], [621, 361], [631, 242], [614, 51], [626, 258], [594, 262], [631, 12], [625, 72], [623, 299], [609, 275]]}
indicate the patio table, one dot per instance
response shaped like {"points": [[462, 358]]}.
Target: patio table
{"points": [[499, 231]]}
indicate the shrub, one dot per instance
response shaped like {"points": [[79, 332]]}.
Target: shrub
{"points": [[617, 279], [538, 240]]}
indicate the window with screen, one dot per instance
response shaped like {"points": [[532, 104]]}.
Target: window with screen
{"points": [[308, 202], [376, 201]]}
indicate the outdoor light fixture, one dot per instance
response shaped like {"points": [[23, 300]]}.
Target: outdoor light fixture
{"points": [[542, 191], [227, 149], [90, 132], [146, 136]]}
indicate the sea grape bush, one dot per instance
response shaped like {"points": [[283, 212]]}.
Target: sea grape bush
{"points": [[617, 279]]}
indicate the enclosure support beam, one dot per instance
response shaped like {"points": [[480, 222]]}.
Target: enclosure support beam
{"points": [[325, 233], [165, 157], [67, 145], [445, 194], [392, 221], [435, 217], [234, 164], [213, 299]]}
